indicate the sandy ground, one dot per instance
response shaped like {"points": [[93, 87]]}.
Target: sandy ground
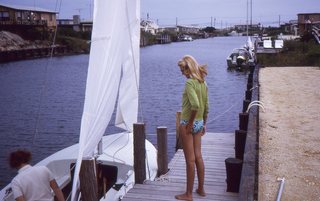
{"points": [[290, 133]]}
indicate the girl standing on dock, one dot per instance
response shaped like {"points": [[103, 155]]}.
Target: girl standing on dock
{"points": [[193, 122]]}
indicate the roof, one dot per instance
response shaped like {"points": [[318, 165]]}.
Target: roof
{"points": [[308, 13], [27, 8]]}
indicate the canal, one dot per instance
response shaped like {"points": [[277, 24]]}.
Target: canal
{"points": [[41, 100]]}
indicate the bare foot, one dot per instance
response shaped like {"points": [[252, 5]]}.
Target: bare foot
{"points": [[201, 192], [184, 197]]}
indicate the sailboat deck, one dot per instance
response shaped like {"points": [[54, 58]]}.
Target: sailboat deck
{"points": [[216, 147]]}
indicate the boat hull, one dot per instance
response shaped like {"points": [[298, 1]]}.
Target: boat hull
{"points": [[117, 152]]}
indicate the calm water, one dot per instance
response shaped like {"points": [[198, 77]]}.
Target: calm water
{"points": [[41, 100]]}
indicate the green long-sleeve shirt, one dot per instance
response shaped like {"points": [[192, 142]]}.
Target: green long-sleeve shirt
{"points": [[195, 97]]}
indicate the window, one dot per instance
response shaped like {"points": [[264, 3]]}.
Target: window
{"points": [[4, 16]]}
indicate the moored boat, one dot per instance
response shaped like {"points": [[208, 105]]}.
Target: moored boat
{"points": [[242, 57]]}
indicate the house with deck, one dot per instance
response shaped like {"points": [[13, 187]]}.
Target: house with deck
{"points": [[12, 15], [308, 20]]}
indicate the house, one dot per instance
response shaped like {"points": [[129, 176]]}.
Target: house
{"points": [[149, 26], [307, 20], [75, 24], [25, 15], [65, 22], [243, 27], [291, 27], [169, 29], [86, 26], [188, 29]]}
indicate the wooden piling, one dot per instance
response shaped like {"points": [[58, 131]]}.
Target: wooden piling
{"points": [[162, 150], [139, 152], [240, 143], [178, 138], [248, 94], [245, 105], [88, 180], [233, 169], [249, 86], [243, 121], [250, 78]]}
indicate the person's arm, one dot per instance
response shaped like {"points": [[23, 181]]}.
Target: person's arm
{"points": [[204, 123], [194, 101], [20, 198], [57, 191], [205, 113]]}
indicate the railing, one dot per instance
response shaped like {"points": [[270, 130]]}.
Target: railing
{"points": [[24, 22], [248, 190], [316, 33]]}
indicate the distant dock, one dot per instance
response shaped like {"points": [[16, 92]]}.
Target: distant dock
{"points": [[216, 147], [32, 53]]}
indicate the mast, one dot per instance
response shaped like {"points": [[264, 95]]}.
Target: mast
{"points": [[251, 14], [247, 17]]}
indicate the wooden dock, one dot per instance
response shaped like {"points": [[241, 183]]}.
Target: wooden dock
{"points": [[216, 147]]}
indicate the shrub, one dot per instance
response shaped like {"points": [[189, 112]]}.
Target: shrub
{"points": [[295, 53]]}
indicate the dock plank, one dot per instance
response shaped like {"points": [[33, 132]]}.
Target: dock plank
{"points": [[216, 147]]}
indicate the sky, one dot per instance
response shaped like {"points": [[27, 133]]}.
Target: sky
{"points": [[218, 13]]}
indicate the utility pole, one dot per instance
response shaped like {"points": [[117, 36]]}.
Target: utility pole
{"points": [[176, 21], [214, 23], [279, 20], [211, 21]]}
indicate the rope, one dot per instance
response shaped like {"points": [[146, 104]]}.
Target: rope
{"points": [[227, 110], [44, 85]]}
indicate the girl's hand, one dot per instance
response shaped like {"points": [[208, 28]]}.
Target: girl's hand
{"points": [[189, 127], [203, 130]]}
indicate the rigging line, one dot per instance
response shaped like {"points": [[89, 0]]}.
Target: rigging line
{"points": [[134, 61], [44, 85], [120, 148], [227, 110], [55, 33]]}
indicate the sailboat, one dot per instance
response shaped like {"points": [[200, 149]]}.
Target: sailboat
{"points": [[113, 77], [243, 57]]}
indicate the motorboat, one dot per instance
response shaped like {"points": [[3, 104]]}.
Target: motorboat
{"points": [[242, 57], [186, 38]]}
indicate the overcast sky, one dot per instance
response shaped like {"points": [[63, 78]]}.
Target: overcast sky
{"points": [[220, 13]]}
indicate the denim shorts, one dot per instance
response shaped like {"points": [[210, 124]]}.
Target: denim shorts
{"points": [[197, 125]]}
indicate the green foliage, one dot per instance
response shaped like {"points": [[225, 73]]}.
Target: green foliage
{"points": [[62, 32], [76, 41], [147, 38], [75, 45], [209, 29], [295, 53]]}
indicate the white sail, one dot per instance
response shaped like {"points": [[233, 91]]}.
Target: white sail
{"points": [[113, 69]]}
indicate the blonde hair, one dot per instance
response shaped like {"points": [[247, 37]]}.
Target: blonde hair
{"points": [[196, 71]]}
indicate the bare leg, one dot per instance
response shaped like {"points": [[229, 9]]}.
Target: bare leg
{"points": [[187, 143], [199, 163]]}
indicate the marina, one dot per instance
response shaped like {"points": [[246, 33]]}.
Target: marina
{"points": [[62, 102]]}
